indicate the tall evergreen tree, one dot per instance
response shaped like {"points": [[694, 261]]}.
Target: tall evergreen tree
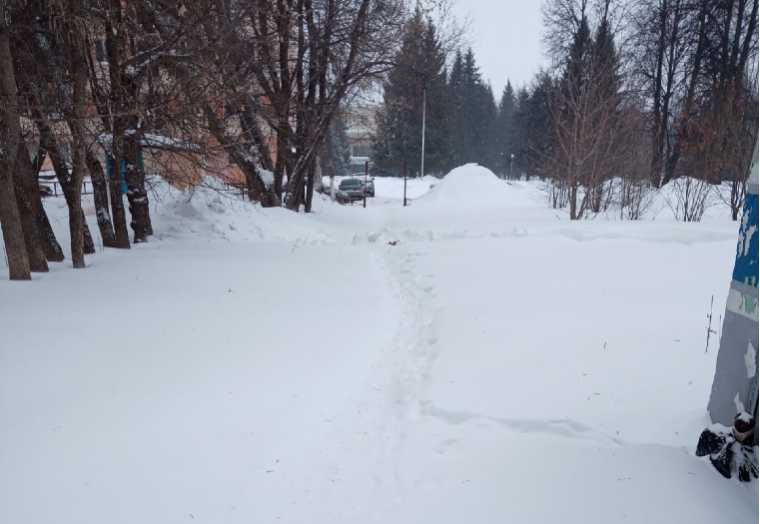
{"points": [[503, 132], [606, 77], [531, 129], [606, 63], [538, 131], [456, 110], [419, 73], [578, 67], [472, 114], [519, 135]]}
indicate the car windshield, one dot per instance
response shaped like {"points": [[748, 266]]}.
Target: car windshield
{"points": [[350, 183]]}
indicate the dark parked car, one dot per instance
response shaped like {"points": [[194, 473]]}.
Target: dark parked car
{"points": [[353, 188], [369, 188], [341, 197]]}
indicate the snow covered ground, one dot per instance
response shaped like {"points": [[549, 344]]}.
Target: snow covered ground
{"points": [[475, 357]]}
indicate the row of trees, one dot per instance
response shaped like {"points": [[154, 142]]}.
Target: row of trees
{"points": [[459, 108], [463, 121], [93, 84], [642, 93], [650, 92]]}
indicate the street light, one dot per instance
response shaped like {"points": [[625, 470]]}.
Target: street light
{"points": [[424, 124], [403, 172], [366, 174], [511, 161]]}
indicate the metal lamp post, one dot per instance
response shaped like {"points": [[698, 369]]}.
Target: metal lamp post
{"points": [[424, 125], [403, 172], [366, 174]]}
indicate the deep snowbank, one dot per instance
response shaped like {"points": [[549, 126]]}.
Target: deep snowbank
{"points": [[213, 211], [497, 363], [473, 185]]}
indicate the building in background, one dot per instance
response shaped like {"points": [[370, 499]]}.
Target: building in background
{"points": [[360, 131]]}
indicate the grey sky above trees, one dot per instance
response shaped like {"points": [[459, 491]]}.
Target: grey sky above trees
{"points": [[506, 38]]}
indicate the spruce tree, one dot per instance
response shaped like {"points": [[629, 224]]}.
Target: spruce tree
{"points": [[457, 111], [503, 132], [486, 150], [531, 136], [419, 71], [519, 136], [472, 114], [538, 131], [606, 63], [605, 70]]}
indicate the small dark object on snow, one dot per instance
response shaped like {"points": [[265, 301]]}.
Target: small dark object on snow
{"points": [[392, 242], [731, 449]]}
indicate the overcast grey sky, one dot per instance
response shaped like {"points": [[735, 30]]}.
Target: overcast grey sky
{"points": [[506, 38]]}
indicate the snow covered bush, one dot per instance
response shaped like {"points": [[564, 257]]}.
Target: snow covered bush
{"points": [[689, 197]]}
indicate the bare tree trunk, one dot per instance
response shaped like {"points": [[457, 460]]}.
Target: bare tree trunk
{"points": [[121, 233], [10, 131], [100, 196], [77, 224], [658, 132], [240, 155], [315, 177], [53, 250], [311, 175], [64, 177], [22, 175], [78, 72], [688, 103], [50, 245], [124, 91], [738, 190], [114, 50], [573, 199], [73, 194], [137, 196], [280, 164]]}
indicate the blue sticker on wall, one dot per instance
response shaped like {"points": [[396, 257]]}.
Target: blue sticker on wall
{"points": [[746, 269]]}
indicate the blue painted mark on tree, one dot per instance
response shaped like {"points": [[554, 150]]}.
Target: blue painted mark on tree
{"points": [[122, 170]]}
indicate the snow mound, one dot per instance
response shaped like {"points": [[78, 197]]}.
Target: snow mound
{"points": [[218, 213], [473, 185]]}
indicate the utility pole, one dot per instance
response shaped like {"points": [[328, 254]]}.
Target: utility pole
{"points": [[366, 172], [424, 124], [403, 172]]}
